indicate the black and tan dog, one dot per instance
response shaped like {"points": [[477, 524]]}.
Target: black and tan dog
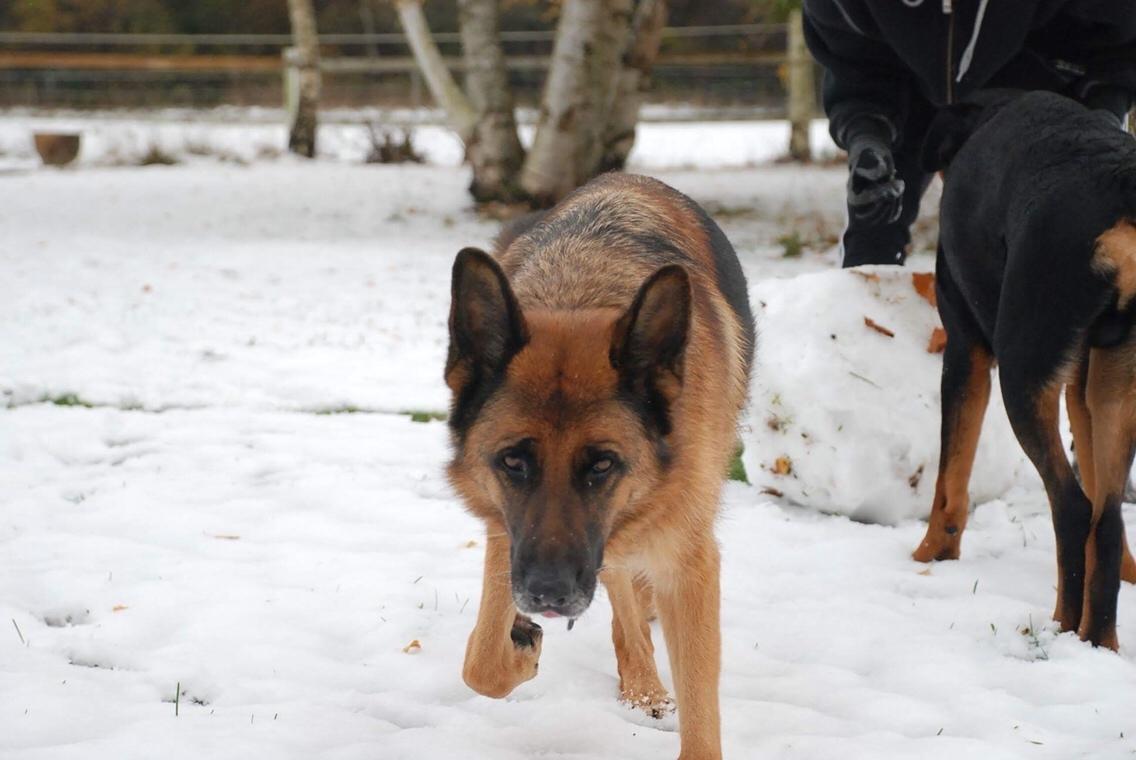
{"points": [[598, 363], [1037, 271]]}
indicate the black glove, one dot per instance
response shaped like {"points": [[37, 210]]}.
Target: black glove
{"points": [[875, 194]]}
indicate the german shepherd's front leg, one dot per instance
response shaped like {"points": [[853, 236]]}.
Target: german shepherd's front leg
{"points": [[631, 602], [687, 595], [504, 648]]}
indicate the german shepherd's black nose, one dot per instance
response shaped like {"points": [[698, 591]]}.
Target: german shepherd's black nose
{"points": [[550, 587], [557, 588]]}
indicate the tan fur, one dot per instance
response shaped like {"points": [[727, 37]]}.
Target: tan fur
{"points": [[561, 390], [631, 606], [1111, 402], [493, 666], [949, 510], [1116, 255]]}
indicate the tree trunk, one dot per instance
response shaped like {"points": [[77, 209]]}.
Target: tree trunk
{"points": [[305, 60], [443, 88], [802, 95], [578, 95], [634, 80], [493, 150]]}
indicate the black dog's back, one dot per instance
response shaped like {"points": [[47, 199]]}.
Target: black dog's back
{"points": [[1032, 181]]}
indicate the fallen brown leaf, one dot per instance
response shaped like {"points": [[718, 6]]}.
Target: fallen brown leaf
{"points": [[413, 647], [772, 492], [878, 327], [782, 466], [924, 284], [119, 608], [938, 342], [470, 544]]}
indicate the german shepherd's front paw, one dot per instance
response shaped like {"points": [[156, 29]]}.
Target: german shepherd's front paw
{"points": [[497, 676], [656, 703]]}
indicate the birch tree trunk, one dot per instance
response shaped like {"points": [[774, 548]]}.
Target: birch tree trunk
{"points": [[445, 91], [302, 131], [578, 97], [802, 94], [633, 82], [493, 149]]}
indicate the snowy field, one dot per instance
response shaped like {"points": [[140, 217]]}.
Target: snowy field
{"points": [[221, 529]]}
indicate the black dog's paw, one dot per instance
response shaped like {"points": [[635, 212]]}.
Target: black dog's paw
{"points": [[526, 633]]}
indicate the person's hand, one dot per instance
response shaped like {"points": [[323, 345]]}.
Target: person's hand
{"points": [[875, 194]]}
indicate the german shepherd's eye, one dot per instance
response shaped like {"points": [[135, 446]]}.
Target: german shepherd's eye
{"points": [[599, 467], [514, 463]]}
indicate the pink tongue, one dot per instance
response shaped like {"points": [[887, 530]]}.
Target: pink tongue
{"points": [[550, 614]]}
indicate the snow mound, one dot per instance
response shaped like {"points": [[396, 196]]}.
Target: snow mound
{"points": [[844, 405]]}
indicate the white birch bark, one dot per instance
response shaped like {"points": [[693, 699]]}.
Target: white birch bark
{"points": [[494, 151], [302, 130], [634, 80], [445, 91], [577, 100]]}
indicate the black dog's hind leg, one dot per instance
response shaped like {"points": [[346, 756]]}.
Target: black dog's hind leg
{"points": [[1110, 402], [1080, 420], [965, 393], [1033, 411]]}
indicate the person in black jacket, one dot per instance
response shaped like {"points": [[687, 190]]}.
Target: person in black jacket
{"points": [[889, 64]]}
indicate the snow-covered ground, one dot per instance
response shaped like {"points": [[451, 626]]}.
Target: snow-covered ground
{"points": [[245, 136], [202, 524]]}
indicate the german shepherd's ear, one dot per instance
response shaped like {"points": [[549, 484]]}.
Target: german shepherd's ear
{"points": [[486, 325], [649, 341], [945, 136]]}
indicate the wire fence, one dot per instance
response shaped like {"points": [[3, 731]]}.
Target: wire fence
{"points": [[734, 71]]}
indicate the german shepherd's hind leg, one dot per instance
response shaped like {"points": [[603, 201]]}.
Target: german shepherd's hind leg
{"points": [[965, 394], [688, 599], [1080, 420], [639, 684], [504, 648], [1112, 405]]}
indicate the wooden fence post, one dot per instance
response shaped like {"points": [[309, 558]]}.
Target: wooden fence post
{"points": [[290, 60], [802, 95]]}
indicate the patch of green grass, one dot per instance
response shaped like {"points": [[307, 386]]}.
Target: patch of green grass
{"points": [[69, 399], [737, 469], [156, 156], [348, 409], [425, 416], [791, 245]]}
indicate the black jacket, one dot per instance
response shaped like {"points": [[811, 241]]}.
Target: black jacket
{"points": [[879, 54]]}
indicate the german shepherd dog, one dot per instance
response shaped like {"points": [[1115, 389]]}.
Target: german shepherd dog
{"points": [[598, 363], [1037, 271]]}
